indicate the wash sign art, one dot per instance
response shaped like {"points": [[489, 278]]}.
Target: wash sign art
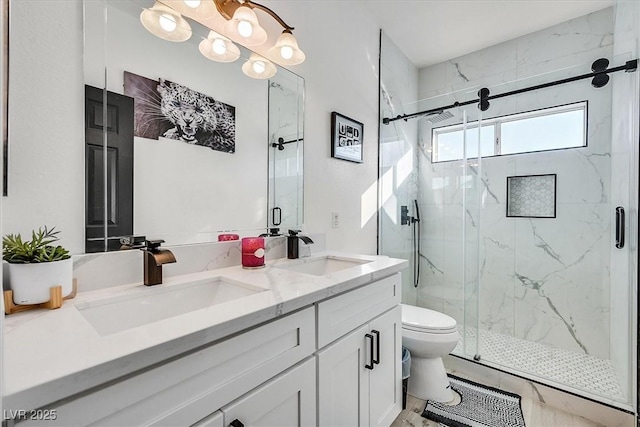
{"points": [[346, 138]]}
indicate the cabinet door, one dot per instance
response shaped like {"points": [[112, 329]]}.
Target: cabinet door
{"points": [[343, 381], [288, 400], [385, 383]]}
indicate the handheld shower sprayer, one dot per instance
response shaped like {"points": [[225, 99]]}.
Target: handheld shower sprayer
{"points": [[406, 219]]}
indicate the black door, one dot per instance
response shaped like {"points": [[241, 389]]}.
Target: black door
{"points": [[109, 183]]}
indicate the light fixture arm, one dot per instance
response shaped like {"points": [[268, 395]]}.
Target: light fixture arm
{"points": [[228, 7]]}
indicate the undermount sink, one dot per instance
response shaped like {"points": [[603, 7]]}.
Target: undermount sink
{"points": [[151, 304], [323, 265]]}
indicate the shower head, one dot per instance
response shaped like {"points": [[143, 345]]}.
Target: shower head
{"points": [[439, 116]]}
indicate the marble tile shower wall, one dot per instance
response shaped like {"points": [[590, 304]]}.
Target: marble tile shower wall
{"points": [[398, 171], [544, 280]]}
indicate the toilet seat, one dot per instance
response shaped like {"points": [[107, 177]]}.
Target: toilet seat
{"points": [[420, 319]]}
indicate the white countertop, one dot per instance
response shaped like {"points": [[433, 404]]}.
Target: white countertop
{"points": [[53, 354]]}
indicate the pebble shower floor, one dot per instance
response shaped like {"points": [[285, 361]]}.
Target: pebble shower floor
{"points": [[579, 371]]}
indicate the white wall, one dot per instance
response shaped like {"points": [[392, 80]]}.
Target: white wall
{"points": [[46, 132], [341, 74]]}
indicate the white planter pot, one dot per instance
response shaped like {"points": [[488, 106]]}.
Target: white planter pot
{"points": [[30, 283]]}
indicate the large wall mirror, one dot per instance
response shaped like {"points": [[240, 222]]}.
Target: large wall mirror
{"points": [[115, 132]]}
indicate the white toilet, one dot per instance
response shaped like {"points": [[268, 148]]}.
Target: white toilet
{"points": [[428, 335]]}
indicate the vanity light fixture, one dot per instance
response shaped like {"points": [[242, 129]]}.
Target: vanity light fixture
{"points": [[258, 67], [166, 23], [286, 49], [219, 48], [243, 26]]}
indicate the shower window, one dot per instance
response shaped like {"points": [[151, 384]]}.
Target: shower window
{"points": [[552, 128]]}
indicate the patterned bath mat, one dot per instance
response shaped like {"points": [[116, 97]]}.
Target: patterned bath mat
{"points": [[481, 406]]}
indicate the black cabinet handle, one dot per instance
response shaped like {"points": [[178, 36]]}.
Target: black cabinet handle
{"points": [[370, 365], [377, 359], [236, 423], [620, 227]]}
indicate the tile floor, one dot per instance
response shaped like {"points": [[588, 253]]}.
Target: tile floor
{"points": [[567, 368], [535, 415]]}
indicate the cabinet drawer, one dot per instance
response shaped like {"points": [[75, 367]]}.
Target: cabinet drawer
{"points": [[289, 400], [339, 315], [186, 390]]}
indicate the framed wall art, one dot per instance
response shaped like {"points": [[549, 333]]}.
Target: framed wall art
{"points": [[346, 138]]}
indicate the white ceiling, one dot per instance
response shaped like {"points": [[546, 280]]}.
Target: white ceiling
{"points": [[433, 31]]}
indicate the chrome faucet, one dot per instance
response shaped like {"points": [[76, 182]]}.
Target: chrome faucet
{"points": [[154, 257], [292, 243]]}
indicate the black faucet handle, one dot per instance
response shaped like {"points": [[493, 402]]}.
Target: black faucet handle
{"points": [[153, 244], [294, 232]]}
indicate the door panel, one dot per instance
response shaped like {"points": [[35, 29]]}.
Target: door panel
{"points": [[386, 400], [343, 382], [109, 182], [289, 400]]}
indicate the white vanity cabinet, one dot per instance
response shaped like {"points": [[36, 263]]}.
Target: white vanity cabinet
{"points": [[190, 388], [336, 362], [359, 364]]}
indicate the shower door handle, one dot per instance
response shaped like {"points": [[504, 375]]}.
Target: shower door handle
{"points": [[276, 216], [620, 227]]}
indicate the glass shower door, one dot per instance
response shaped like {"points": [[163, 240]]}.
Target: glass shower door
{"points": [[555, 293]]}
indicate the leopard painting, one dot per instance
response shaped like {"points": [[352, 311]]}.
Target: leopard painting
{"points": [[168, 109], [197, 118]]}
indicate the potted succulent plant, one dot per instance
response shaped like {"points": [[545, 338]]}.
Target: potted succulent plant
{"points": [[36, 265]]}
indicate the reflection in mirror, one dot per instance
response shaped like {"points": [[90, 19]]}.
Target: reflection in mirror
{"points": [[286, 95], [195, 163]]}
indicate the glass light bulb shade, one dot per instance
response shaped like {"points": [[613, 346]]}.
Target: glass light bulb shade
{"points": [[192, 3], [218, 46], [166, 23], [258, 67], [215, 43], [286, 50], [245, 28]]}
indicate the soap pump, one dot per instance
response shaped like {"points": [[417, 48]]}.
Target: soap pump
{"points": [[292, 243]]}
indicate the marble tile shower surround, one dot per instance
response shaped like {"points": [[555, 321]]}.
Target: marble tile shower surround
{"points": [[102, 270], [543, 280]]}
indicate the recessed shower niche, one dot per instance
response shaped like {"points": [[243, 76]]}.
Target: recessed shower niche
{"points": [[532, 196]]}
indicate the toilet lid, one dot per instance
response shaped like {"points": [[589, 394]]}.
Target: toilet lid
{"points": [[423, 319]]}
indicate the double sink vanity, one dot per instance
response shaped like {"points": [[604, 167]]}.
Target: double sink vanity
{"points": [[313, 341]]}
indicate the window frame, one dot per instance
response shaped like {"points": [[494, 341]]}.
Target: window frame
{"points": [[496, 123]]}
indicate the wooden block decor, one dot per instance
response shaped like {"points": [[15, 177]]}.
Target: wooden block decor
{"points": [[55, 300]]}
